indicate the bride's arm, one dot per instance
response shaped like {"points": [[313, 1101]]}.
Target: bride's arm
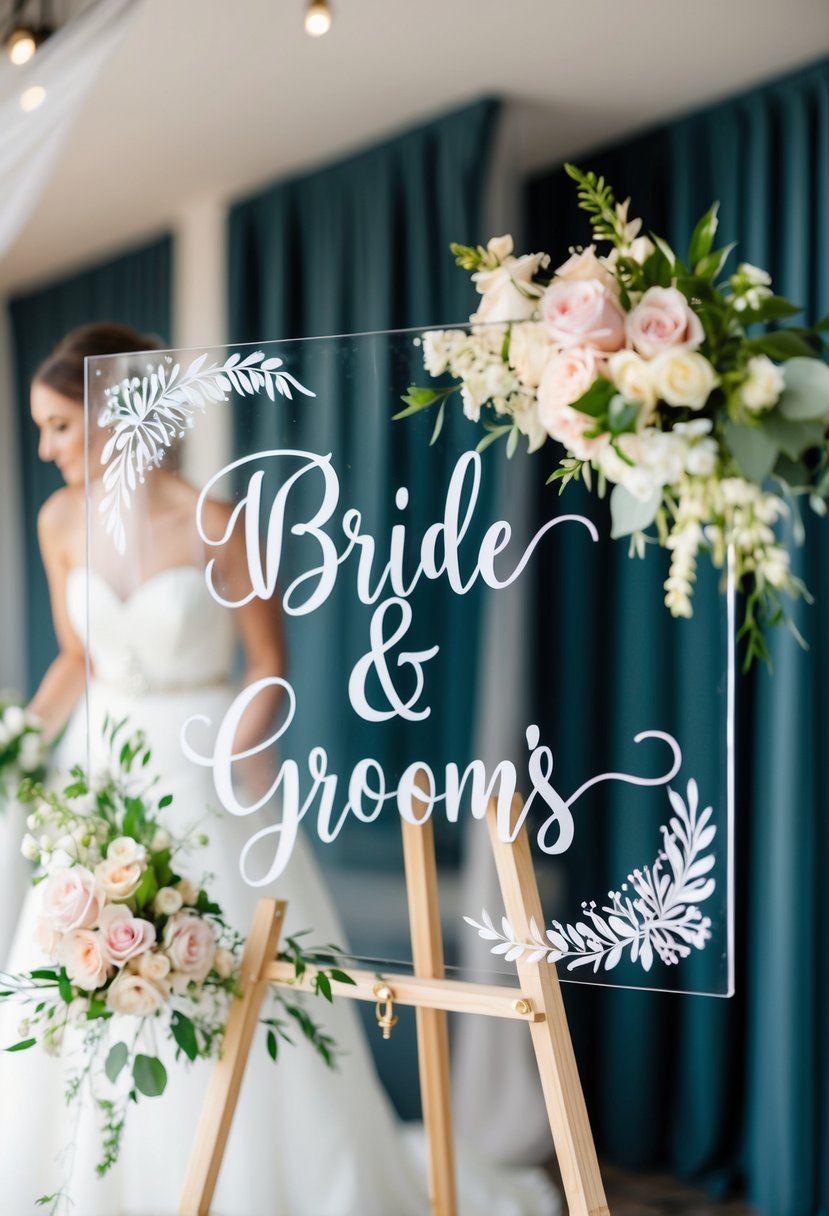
{"points": [[62, 686]]}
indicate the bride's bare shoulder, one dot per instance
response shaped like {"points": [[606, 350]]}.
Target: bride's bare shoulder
{"points": [[61, 515]]}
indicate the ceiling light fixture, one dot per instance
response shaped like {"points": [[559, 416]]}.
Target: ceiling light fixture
{"points": [[317, 18], [21, 44], [24, 38]]}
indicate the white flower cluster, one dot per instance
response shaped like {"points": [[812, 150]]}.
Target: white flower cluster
{"points": [[536, 349], [22, 749], [723, 513]]}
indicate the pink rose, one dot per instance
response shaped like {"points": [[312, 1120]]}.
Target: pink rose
{"points": [[70, 899], [663, 318], [583, 312], [80, 953], [190, 945], [567, 376], [123, 935]]}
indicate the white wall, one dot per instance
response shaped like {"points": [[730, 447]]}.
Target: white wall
{"points": [[200, 318]]}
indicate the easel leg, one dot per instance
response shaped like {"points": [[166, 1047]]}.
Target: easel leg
{"points": [[432, 1024], [225, 1083], [551, 1038]]}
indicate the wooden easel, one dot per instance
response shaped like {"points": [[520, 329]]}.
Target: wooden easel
{"points": [[537, 1001]]}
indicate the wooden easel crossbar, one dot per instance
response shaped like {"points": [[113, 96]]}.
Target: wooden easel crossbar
{"points": [[536, 1000]]}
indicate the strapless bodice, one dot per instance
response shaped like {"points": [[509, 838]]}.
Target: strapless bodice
{"points": [[169, 634]]}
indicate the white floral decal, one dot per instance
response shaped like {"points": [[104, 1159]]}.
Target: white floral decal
{"points": [[146, 414], [660, 914]]}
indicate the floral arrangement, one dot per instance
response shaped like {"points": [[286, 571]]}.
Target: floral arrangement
{"points": [[22, 749], [130, 940], [649, 370]]}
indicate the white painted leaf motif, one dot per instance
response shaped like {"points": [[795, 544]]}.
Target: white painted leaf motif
{"points": [[146, 415], [660, 919]]}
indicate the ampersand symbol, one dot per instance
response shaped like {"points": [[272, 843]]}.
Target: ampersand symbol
{"points": [[376, 659]]}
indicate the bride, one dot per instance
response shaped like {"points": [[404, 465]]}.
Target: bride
{"points": [[305, 1141]]}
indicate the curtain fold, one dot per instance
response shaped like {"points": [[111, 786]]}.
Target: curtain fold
{"points": [[729, 1091], [134, 289]]}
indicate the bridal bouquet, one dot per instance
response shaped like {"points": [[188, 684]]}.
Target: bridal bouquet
{"points": [[659, 376], [128, 941], [22, 750]]}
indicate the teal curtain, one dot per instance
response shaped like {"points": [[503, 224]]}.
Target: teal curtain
{"points": [[732, 1092], [362, 246], [134, 289]]}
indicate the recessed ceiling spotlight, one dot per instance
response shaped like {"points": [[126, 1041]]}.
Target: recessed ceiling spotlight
{"points": [[317, 18], [21, 45], [32, 97]]}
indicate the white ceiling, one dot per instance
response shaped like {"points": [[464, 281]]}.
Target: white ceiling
{"points": [[215, 97]]}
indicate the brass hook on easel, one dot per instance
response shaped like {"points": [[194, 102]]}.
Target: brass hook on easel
{"points": [[384, 1009]]}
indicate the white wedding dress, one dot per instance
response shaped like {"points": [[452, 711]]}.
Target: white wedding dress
{"points": [[305, 1141]]}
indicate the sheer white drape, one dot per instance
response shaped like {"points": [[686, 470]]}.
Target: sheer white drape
{"points": [[14, 871], [66, 68]]}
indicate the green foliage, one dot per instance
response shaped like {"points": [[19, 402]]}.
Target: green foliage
{"points": [[150, 1076], [184, 1033], [596, 198], [702, 237], [116, 1061]]}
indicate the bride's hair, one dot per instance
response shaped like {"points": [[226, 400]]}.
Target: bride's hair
{"points": [[63, 369]]}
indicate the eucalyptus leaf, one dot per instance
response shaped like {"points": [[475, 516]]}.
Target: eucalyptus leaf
{"points": [[150, 1076], [793, 438], [184, 1034], [629, 514], [795, 473], [753, 448], [806, 395], [622, 416], [115, 1061], [783, 344]]}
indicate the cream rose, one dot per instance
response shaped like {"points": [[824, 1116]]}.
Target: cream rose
{"points": [[153, 966], [190, 945], [134, 995], [47, 938], [116, 880], [123, 936], [80, 953], [585, 265], [223, 963], [764, 385], [125, 850], [71, 899], [508, 291], [663, 318], [529, 350], [683, 378], [187, 890], [633, 377], [567, 377], [583, 313], [167, 901]]}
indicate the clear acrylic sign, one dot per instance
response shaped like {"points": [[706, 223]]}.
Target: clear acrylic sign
{"points": [[316, 616]]}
